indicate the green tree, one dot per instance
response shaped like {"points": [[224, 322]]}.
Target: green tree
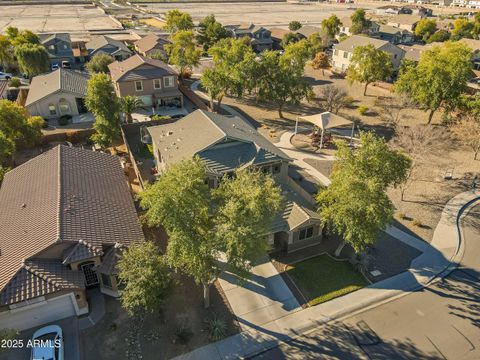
{"points": [[210, 31], [182, 51], [321, 61], [99, 63], [6, 52], [368, 65], [294, 25], [425, 28], [102, 102], [201, 223], [360, 24], [7, 148], [146, 278], [289, 38], [439, 78], [439, 36], [462, 28], [25, 37], [175, 20], [331, 26], [355, 205], [130, 104], [11, 33], [32, 59], [318, 42]]}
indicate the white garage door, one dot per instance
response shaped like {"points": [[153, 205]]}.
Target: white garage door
{"points": [[147, 100], [38, 314]]}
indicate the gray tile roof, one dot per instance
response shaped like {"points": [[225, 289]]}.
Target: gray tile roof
{"points": [[358, 40], [66, 195], [80, 251], [60, 80], [110, 260], [100, 41], [196, 133], [139, 67], [44, 38]]}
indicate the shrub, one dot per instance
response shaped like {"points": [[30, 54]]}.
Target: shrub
{"points": [[360, 261], [362, 109], [75, 136], [217, 328], [402, 215], [160, 117], [187, 74], [15, 82], [64, 120]]}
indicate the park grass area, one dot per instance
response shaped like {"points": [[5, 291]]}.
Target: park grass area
{"points": [[322, 278]]}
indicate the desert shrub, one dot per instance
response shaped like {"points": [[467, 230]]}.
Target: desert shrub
{"points": [[362, 109], [217, 328], [402, 215], [14, 82]]}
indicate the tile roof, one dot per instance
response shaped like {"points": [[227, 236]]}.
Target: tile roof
{"points": [[44, 38], [110, 260], [65, 195], [149, 42], [404, 19], [100, 41], [278, 33], [307, 30], [60, 80], [358, 40], [80, 251], [197, 132], [133, 69], [387, 29]]}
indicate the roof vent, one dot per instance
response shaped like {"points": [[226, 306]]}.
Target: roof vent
{"points": [[170, 133], [23, 206]]}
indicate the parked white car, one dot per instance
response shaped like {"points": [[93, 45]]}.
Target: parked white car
{"points": [[47, 343], [5, 76]]}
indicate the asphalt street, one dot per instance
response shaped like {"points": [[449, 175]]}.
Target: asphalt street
{"points": [[438, 322]]}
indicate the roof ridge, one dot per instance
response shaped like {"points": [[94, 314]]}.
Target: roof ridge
{"points": [[59, 195], [213, 122], [41, 275]]}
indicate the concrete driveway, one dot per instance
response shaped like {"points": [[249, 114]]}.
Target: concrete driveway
{"points": [[70, 335]]}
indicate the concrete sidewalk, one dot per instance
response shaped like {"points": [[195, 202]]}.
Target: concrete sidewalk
{"points": [[437, 261]]}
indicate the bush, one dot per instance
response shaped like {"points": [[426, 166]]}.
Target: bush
{"points": [[361, 262], [402, 215], [362, 109], [160, 117], [187, 74], [14, 82], [64, 120], [217, 328], [75, 136]]}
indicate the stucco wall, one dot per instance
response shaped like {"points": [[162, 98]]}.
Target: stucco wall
{"points": [[40, 108], [124, 88]]}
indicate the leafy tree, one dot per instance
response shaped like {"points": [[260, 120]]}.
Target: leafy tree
{"points": [[7, 148], [177, 21], [201, 223], [11, 32], [99, 63], [32, 58], [439, 78], [289, 38], [24, 37], [360, 24], [182, 51], [6, 52], [130, 104], [333, 98], [321, 61], [210, 31], [462, 28], [318, 42], [439, 36], [146, 276], [425, 28], [368, 65], [217, 83], [294, 25], [355, 204], [331, 26], [102, 102]]}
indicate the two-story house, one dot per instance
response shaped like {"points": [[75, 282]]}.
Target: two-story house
{"points": [[260, 37], [343, 51], [152, 45], [59, 48], [66, 216], [152, 80], [106, 45], [346, 26], [394, 35], [226, 143]]}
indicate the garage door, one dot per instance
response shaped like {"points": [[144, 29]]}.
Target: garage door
{"points": [[38, 314], [147, 100]]}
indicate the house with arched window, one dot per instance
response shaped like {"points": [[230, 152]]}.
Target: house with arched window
{"points": [[61, 92]]}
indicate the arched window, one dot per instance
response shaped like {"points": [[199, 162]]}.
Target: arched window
{"points": [[64, 106], [52, 109]]}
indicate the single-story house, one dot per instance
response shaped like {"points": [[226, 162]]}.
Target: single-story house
{"points": [[66, 215], [226, 143], [394, 35], [61, 92], [106, 45]]}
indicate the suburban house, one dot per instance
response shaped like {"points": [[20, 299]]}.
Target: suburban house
{"points": [[153, 81], [260, 37], [151, 44], [277, 35], [59, 48], [404, 21], [66, 215], [394, 35], [106, 45], [226, 143], [61, 92], [343, 51], [347, 25], [413, 51]]}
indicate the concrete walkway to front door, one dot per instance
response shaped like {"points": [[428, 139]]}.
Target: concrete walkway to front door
{"points": [[262, 298]]}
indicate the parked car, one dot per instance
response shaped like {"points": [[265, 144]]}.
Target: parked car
{"points": [[48, 343], [5, 76], [55, 67], [66, 65]]}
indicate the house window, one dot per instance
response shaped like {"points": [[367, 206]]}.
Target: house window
{"points": [[64, 106], [276, 168], [168, 81], [52, 109], [266, 169], [106, 281], [138, 86], [306, 233], [345, 54], [156, 84]]}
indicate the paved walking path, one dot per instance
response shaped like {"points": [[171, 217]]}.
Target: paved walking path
{"points": [[437, 261], [262, 298]]}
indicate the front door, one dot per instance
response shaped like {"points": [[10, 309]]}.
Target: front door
{"points": [[91, 277]]}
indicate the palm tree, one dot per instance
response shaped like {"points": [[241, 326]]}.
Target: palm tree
{"points": [[130, 104]]}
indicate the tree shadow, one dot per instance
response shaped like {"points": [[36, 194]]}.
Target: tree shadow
{"points": [[314, 82]]}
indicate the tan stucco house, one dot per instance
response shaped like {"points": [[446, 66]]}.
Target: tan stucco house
{"points": [[152, 45], [66, 216], [61, 92], [226, 143], [153, 81], [102, 44]]}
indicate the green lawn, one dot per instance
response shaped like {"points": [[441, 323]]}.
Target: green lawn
{"points": [[321, 278]]}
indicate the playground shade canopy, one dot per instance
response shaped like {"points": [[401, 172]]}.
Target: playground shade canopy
{"points": [[326, 120]]}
